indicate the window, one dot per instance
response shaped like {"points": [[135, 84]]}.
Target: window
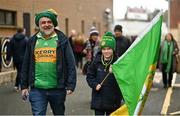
{"points": [[7, 17], [99, 27], [82, 27], [67, 26]]}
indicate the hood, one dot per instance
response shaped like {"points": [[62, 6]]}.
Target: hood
{"points": [[19, 36]]}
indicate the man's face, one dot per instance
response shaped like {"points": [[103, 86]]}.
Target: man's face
{"points": [[117, 33], [46, 26]]}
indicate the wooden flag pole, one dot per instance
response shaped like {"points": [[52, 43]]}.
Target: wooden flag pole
{"points": [[104, 78]]}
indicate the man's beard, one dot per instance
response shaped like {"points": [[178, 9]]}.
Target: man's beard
{"points": [[48, 31]]}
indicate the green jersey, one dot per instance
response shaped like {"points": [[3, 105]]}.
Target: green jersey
{"points": [[45, 62]]}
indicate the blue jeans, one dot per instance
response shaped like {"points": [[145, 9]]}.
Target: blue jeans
{"points": [[40, 98]]}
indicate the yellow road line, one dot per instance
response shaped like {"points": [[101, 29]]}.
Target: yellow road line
{"points": [[166, 101], [168, 97], [176, 85], [175, 113]]}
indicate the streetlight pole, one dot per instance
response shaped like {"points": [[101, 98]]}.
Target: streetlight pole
{"points": [[169, 22], [108, 18]]}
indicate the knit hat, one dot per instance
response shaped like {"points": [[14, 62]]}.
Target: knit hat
{"points": [[108, 41], [93, 30], [118, 28], [50, 13]]}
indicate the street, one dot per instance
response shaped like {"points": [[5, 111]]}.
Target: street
{"points": [[79, 102]]}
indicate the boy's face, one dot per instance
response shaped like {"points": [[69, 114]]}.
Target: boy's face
{"points": [[107, 52]]}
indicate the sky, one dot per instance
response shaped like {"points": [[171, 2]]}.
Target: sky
{"points": [[119, 6]]}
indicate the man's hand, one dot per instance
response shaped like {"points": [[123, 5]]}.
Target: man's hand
{"points": [[25, 94], [68, 92]]}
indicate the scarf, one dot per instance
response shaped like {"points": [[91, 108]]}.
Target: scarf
{"points": [[167, 54]]}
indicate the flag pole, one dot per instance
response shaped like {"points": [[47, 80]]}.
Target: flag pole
{"points": [[104, 78]]}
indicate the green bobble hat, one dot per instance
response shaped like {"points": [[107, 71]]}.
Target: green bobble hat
{"points": [[108, 40], [50, 13]]}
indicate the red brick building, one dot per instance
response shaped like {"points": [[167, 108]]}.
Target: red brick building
{"points": [[80, 15], [174, 13], [175, 18], [72, 14]]}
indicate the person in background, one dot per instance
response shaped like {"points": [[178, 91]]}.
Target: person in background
{"points": [[106, 96], [78, 48], [72, 37], [169, 50], [91, 47], [49, 68], [16, 50], [122, 43]]}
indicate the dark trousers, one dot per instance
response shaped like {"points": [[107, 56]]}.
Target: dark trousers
{"points": [[79, 59], [103, 112], [40, 98], [18, 76], [167, 77]]}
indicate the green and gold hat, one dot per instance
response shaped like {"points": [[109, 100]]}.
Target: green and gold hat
{"points": [[50, 13], [108, 40]]}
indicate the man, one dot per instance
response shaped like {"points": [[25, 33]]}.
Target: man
{"points": [[16, 49], [122, 43], [49, 67]]}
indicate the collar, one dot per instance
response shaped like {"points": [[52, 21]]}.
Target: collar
{"points": [[39, 36]]}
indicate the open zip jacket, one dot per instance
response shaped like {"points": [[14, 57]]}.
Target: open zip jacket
{"points": [[65, 64]]}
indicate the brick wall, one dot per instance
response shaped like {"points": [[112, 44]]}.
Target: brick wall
{"points": [[74, 10], [174, 13]]}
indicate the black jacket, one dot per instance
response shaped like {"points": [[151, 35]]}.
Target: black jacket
{"points": [[16, 48], [109, 96], [65, 64], [122, 44]]}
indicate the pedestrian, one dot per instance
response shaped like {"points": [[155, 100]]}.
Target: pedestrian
{"points": [[106, 96], [91, 47], [16, 50], [168, 52], [122, 43], [49, 71], [72, 37], [78, 48]]}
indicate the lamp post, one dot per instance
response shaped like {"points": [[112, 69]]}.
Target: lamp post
{"points": [[169, 2], [108, 17]]}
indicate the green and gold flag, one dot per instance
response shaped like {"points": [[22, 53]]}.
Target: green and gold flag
{"points": [[134, 70]]}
